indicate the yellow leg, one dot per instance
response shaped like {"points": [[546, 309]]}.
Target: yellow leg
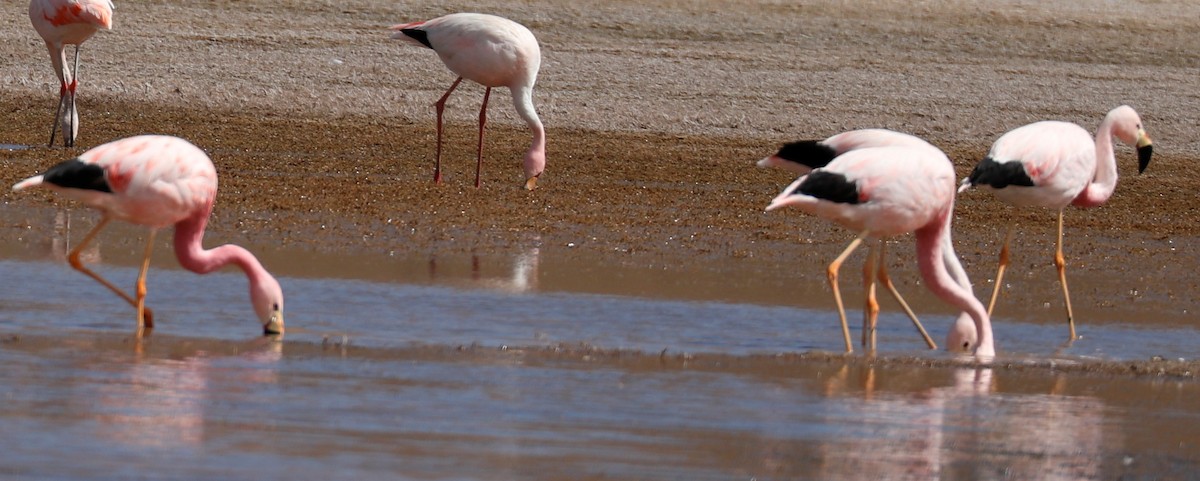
{"points": [[144, 324], [1061, 263], [1000, 270], [886, 280], [76, 263], [832, 274], [871, 307]]}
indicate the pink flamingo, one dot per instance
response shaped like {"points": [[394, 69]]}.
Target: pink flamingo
{"points": [[62, 23], [1053, 164], [888, 191], [494, 52], [157, 181], [803, 156]]}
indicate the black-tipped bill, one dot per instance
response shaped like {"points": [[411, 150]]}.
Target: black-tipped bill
{"points": [[1144, 153]]}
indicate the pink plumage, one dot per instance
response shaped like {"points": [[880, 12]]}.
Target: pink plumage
{"points": [[803, 156], [1054, 164], [158, 181], [62, 23], [494, 52], [887, 191]]}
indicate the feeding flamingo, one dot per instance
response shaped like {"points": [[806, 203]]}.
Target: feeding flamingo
{"points": [[887, 191], [494, 52], [62, 23], [158, 181], [805, 155], [1054, 164]]}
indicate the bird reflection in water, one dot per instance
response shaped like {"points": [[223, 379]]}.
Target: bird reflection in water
{"points": [[521, 276]]}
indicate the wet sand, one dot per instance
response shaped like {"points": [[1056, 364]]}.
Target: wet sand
{"points": [[322, 131]]}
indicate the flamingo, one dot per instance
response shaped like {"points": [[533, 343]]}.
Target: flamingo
{"points": [[491, 51], [805, 155], [62, 23], [1054, 164], [888, 191], [157, 181]]}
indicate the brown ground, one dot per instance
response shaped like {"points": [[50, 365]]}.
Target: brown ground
{"points": [[322, 130]]}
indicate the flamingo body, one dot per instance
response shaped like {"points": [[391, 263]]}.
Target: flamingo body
{"points": [[803, 156], [1054, 164], [159, 181], [494, 52], [887, 191], [62, 23]]}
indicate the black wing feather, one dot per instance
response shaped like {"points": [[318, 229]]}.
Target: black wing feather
{"points": [[77, 174]]}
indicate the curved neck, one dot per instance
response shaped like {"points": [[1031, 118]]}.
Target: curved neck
{"points": [[955, 289], [189, 249], [1105, 181], [535, 159]]}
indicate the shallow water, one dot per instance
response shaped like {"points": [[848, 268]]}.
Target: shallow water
{"points": [[461, 367]]}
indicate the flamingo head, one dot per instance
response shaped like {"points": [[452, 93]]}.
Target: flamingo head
{"points": [[267, 298], [1127, 126], [962, 336], [535, 163]]}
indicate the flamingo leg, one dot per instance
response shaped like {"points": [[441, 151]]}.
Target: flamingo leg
{"points": [[144, 324], [71, 129], [77, 264], [62, 99], [886, 280], [871, 307], [441, 106], [1000, 270], [832, 274], [482, 121], [1060, 262]]}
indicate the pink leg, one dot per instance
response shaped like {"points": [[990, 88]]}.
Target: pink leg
{"points": [[441, 105], [482, 121]]}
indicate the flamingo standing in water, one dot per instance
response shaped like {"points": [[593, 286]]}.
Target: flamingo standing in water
{"points": [[494, 52], [805, 155], [1054, 164], [62, 23], [157, 181], [887, 191]]}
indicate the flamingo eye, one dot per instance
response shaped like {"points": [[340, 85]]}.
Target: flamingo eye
{"points": [[275, 306], [966, 344]]}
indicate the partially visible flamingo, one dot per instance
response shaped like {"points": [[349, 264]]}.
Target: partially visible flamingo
{"points": [[887, 191], [158, 181], [494, 52], [805, 155], [62, 23], [1054, 164]]}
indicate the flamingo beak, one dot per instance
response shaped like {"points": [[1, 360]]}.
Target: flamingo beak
{"points": [[1144, 149], [274, 326], [531, 183]]}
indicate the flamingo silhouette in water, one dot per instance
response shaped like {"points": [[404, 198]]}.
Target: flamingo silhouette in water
{"points": [[1054, 164], [805, 155], [887, 191], [494, 52], [158, 181], [62, 23]]}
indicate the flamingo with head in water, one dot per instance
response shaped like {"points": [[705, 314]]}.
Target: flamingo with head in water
{"points": [[158, 181], [1054, 164], [494, 52], [805, 155], [888, 191]]}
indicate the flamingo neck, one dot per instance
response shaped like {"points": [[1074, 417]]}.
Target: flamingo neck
{"points": [[535, 158], [1104, 183], [189, 249], [954, 288]]}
